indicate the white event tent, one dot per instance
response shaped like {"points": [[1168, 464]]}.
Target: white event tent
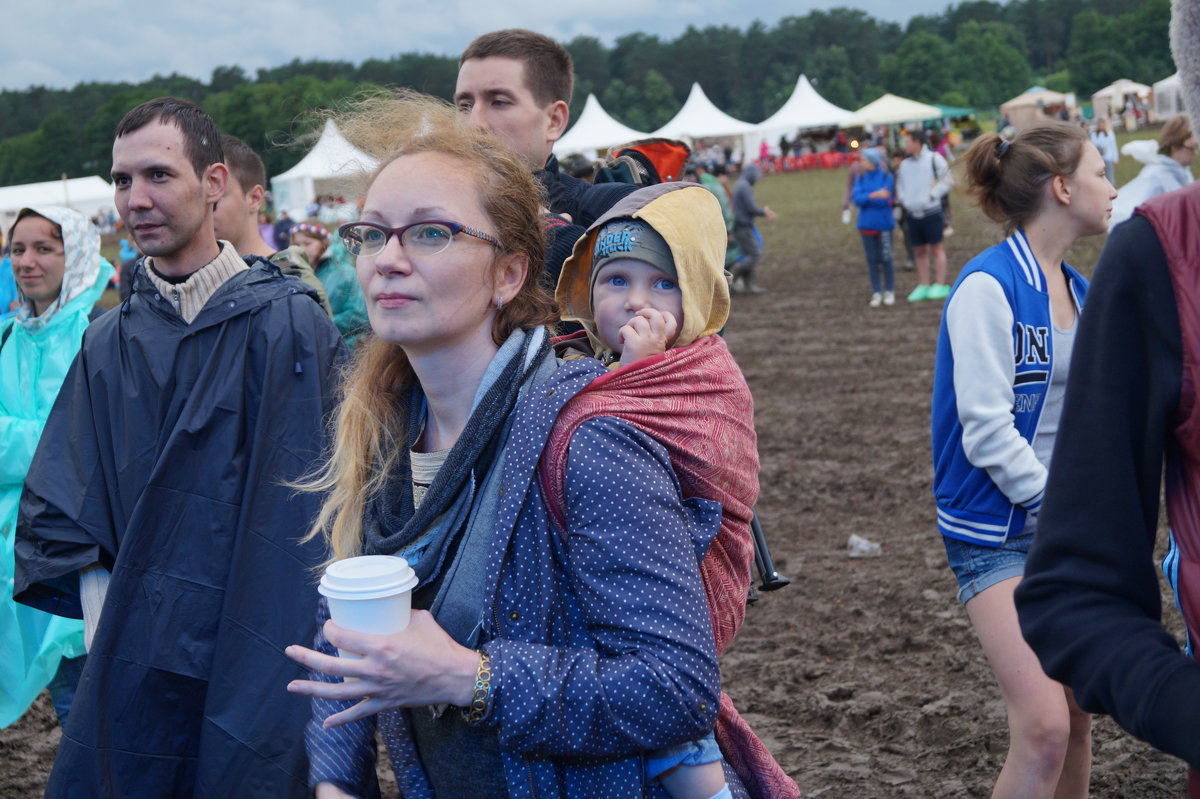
{"points": [[804, 110], [891, 110], [700, 119], [595, 130], [89, 196], [1111, 99], [327, 169], [1168, 98]]}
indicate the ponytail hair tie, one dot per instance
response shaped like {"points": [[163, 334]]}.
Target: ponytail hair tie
{"points": [[1002, 148]]}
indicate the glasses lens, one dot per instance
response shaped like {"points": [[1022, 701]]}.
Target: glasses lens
{"points": [[428, 238]]}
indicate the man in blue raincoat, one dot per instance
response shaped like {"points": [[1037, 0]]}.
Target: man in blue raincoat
{"points": [[156, 507]]}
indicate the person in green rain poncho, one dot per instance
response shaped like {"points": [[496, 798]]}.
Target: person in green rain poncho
{"points": [[60, 276]]}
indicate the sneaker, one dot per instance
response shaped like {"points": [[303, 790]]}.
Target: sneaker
{"points": [[938, 291], [876, 300], [753, 288], [909, 265], [921, 292], [889, 298]]}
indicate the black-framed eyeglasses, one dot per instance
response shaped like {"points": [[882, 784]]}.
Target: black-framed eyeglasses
{"points": [[420, 238]]}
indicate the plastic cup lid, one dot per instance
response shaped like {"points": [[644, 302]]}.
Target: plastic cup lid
{"points": [[367, 577]]}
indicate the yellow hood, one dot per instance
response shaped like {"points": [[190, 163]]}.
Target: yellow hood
{"points": [[689, 217]]}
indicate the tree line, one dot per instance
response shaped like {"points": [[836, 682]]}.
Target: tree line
{"points": [[977, 53]]}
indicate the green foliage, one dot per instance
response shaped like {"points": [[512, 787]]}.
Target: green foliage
{"points": [[975, 53], [921, 67]]}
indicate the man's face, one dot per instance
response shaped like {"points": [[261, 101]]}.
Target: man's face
{"points": [[232, 211], [162, 201], [493, 92], [912, 146]]}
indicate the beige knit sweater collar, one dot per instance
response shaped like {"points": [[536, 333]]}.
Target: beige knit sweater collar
{"points": [[189, 297]]}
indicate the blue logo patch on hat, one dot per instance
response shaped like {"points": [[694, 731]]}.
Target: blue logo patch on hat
{"points": [[620, 241]]}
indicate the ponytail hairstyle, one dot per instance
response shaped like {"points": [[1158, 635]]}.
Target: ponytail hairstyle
{"points": [[1007, 178], [367, 428]]}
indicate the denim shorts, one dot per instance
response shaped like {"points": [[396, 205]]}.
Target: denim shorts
{"points": [[979, 567]]}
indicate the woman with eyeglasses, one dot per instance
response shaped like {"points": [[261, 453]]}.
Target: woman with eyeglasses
{"points": [[536, 662], [1003, 356]]}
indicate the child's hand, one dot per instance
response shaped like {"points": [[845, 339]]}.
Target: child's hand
{"points": [[650, 332]]}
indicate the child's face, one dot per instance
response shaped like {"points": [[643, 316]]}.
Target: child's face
{"points": [[625, 286], [314, 246]]}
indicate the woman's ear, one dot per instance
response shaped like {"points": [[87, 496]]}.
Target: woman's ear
{"points": [[1060, 188], [510, 275]]}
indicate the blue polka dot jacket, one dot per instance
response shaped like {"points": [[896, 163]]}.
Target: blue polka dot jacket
{"points": [[600, 640]]}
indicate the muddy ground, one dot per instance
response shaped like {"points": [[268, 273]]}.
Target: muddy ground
{"points": [[864, 675]]}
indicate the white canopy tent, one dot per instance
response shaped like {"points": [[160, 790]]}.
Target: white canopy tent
{"points": [[804, 110], [328, 168], [595, 130], [89, 196], [700, 119], [1168, 99], [1112, 98], [891, 110], [1032, 105]]}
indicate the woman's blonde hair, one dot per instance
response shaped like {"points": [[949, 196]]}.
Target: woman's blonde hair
{"points": [[1007, 177], [368, 428]]}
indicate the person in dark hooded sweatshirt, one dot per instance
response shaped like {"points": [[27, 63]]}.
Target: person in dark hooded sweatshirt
{"points": [[745, 209], [156, 507]]}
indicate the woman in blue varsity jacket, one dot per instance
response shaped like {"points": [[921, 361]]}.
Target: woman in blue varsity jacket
{"points": [[1002, 360]]}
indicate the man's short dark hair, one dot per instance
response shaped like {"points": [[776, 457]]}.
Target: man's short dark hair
{"points": [[549, 73], [244, 164], [201, 139]]}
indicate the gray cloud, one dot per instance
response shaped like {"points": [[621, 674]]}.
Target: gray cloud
{"points": [[133, 40]]}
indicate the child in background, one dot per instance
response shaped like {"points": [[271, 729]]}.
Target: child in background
{"points": [[873, 194], [647, 282]]}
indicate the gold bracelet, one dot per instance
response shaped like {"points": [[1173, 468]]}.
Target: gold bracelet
{"points": [[474, 713]]}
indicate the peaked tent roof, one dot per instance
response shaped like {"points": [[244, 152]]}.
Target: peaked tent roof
{"points": [[331, 156], [1034, 95], [326, 168], [804, 109], [595, 130], [891, 110], [699, 118]]}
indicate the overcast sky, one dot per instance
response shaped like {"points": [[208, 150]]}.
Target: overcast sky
{"points": [[61, 43]]}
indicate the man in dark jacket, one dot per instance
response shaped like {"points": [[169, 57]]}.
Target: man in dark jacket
{"points": [[158, 495], [745, 210], [517, 84]]}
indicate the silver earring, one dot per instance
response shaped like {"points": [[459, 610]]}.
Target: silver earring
{"points": [[499, 302]]}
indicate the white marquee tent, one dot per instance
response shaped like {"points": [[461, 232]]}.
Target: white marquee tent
{"points": [[1168, 98], [89, 196], [595, 130], [804, 110], [700, 119], [327, 169], [1111, 99], [891, 110]]}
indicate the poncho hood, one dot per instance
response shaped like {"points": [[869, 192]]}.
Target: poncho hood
{"points": [[689, 217], [81, 243]]}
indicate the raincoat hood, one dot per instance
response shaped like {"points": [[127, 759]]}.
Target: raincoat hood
{"points": [[689, 218], [751, 172], [81, 243]]}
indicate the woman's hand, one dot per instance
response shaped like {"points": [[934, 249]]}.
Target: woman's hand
{"points": [[421, 665]]}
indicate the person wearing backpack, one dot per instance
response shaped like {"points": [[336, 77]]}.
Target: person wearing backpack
{"points": [[60, 276], [921, 182]]}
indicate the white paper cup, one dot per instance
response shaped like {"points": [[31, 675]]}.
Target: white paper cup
{"points": [[369, 594]]}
